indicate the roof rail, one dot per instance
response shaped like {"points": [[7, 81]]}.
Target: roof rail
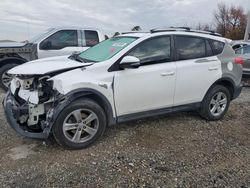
{"points": [[184, 29], [170, 29], [129, 32]]}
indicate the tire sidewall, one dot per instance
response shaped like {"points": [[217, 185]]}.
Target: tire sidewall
{"points": [[57, 128], [4, 69], [205, 108]]}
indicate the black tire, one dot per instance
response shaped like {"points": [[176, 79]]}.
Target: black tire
{"points": [[3, 70], [59, 133], [205, 110]]}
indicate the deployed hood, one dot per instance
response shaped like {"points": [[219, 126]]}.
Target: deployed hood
{"points": [[12, 44], [47, 65]]}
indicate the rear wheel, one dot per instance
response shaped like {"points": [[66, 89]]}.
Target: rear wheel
{"points": [[80, 124], [5, 77], [215, 103]]}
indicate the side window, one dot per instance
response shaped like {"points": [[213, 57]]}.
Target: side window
{"points": [[91, 38], [59, 40], [189, 47], [239, 51], [217, 47], [154, 50], [236, 46], [246, 49]]}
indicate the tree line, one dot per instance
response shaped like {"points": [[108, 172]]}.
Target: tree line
{"points": [[229, 21]]}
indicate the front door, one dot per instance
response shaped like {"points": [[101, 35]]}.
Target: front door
{"points": [[152, 85], [63, 42]]}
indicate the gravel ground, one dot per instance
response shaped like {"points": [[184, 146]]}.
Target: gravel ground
{"points": [[178, 150]]}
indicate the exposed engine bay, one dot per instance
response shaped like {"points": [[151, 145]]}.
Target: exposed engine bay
{"points": [[33, 99]]}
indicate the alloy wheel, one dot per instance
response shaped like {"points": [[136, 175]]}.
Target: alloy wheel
{"points": [[218, 103], [80, 125]]}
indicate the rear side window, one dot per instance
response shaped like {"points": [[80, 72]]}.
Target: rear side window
{"points": [[217, 47], [190, 47], [155, 50], [91, 38], [246, 49], [239, 51]]}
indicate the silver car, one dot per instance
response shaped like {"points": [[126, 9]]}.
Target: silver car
{"points": [[244, 53]]}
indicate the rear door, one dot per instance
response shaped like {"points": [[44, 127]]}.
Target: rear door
{"points": [[197, 69], [151, 86]]}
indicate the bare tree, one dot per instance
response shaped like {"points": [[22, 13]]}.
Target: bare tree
{"points": [[136, 28], [204, 27], [221, 18], [230, 21], [116, 34]]}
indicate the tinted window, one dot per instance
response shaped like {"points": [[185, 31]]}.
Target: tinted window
{"points": [[217, 47], [60, 39], [91, 38], [246, 49], [209, 49], [190, 47], [153, 50], [239, 51]]}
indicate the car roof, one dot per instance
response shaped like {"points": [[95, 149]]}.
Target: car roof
{"points": [[75, 28], [149, 34], [236, 42]]}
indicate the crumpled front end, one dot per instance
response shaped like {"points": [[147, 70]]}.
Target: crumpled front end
{"points": [[29, 106]]}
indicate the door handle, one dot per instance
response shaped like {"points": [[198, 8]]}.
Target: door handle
{"points": [[213, 68], [168, 73], [205, 60]]}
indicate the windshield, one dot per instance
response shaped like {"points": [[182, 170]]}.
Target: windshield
{"points": [[106, 49], [40, 35]]}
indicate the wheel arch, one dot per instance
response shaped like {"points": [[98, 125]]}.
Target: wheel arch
{"points": [[226, 82], [92, 94], [12, 60]]}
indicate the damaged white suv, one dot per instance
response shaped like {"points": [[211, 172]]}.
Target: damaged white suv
{"points": [[124, 78]]}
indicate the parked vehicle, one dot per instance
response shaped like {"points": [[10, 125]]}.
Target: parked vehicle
{"points": [[239, 43], [53, 42], [128, 77], [244, 53]]}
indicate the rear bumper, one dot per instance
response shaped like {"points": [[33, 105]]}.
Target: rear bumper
{"points": [[237, 91], [12, 110]]}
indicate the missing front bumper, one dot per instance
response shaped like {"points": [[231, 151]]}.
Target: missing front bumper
{"points": [[11, 111]]}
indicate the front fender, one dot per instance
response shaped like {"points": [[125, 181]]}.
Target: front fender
{"points": [[65, 100]]}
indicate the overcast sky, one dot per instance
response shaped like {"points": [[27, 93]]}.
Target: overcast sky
{"points": [[22, 19]]}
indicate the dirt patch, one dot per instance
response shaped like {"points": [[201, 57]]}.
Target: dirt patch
{"points": [[21, 152]]}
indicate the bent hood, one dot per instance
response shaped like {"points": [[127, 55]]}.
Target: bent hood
{"points": [[47, 65]]}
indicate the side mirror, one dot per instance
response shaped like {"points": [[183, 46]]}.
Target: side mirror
{"points": [[130, 62], [46, 45]]}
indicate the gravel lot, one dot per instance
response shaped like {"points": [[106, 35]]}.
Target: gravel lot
{"points": [[179, 150]]}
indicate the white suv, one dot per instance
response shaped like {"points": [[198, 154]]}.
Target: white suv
{"points": [[131, 76]]}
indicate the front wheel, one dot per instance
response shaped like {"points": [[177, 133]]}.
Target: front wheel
{"points": [[5, 77], [215, 104], [80, 124]]}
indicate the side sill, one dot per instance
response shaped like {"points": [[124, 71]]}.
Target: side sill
{"points": [[158, 112]]}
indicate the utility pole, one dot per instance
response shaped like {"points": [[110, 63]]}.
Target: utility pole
{"points": [[247, 28]]}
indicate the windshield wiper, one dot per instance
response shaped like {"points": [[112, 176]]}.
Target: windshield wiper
{"points": [[76, 57]]}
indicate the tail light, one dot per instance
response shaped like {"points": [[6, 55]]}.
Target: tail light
{"points": [[238, 61]]}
